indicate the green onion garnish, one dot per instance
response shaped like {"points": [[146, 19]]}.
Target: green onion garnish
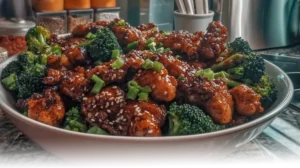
{"points": [[132, 92], [143, 96], [146, 89], [148, 64], [118, 63], [97, 130], [177, 56], [157, 66], [90, 36], [149, 41], [207, 73], [132, 83], [98, 63], [151, 46], [167, 49], [132, 46], [181, 77], [99, 84], [121, 22], [115, 54], [160, 50]]}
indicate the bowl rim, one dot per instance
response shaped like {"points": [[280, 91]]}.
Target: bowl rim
{"points": [[266, 117]]}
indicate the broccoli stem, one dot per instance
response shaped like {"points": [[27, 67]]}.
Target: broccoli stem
{"points": [[174, 124], [228, 63], [97, 130], [224, 76]]}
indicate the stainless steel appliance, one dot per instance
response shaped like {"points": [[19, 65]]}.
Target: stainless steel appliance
{"points": [[263, 23]]}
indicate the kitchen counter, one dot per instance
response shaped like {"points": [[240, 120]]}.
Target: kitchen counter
{"points": [[277, 142]]}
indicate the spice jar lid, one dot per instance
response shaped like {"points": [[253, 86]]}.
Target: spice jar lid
{"points": [[15, 26]]}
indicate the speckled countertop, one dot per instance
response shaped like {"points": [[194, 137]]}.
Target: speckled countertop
{"points": [[270, 145]]}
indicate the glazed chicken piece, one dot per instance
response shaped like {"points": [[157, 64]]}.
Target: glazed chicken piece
{"points": [[59, 62], [47, 108], [74, 85], [181, 42], [146, 118], [105, 110], [76, 55], [149, 30], [126, 34], [163, 85], [247, 101], [214, 42], [107, 73], [53, 77], [83, 29], [215, 98]]}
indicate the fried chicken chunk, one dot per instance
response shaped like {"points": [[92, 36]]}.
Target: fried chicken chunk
{"points": [[247, 102], [146, 118], [107, 73], [163, 85], [181, 42], [215, 98], [214, 41], [74, 85], [47, 108], [106, 110]]}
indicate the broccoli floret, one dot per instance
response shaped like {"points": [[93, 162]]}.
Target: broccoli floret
{"points": [[30, 81], [74, 121], [12, 67], [267, 89], [10, 82], [242, 67], [101, 47], [187, 120], [9, 75], [36, 40], [28, 59], [239, 45]]}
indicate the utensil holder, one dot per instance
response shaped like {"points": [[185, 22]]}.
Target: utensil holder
{"points": [[192, 23]]}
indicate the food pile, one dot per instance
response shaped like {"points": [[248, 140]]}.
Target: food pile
{"points": [[111, 78]]}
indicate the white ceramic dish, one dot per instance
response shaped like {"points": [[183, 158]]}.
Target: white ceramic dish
{"points": [[72, 145]]}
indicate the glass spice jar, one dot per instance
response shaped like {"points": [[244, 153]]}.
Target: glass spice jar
{"points": [[12, 35], [107, 14], [77, 17], [55, 22]]}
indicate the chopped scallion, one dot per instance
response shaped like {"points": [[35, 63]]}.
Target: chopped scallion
{"points": [[118, 63], [143, 96], [149, 41], [98, 63], [121, 22], [99, 84], [148, 64], [90, 36], [115, 54], [132, 46], [207, 73], [132, 92], [157, 66], [97, 130], [146, 89], [151, 46]]}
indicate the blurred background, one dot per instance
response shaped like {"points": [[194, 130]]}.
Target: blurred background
{"points": [[264, 24]]}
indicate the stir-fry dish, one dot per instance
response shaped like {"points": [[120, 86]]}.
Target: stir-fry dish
{"points": [[110, 78]]}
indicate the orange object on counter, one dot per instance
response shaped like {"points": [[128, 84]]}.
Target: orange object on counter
{"points": [[103, 3], [78, 4], [47, 5]]}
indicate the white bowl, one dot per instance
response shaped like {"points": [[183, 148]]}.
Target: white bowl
{"points": [[111, 149]]}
